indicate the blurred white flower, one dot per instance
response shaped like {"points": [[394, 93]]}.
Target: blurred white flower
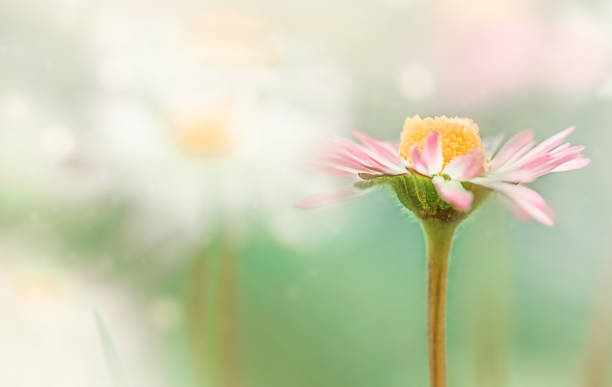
{"points": [[49, 325], [205, 133], [44, 159], [49, 160]]}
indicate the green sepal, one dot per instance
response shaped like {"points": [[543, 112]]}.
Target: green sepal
{"points": [[418, 194]]}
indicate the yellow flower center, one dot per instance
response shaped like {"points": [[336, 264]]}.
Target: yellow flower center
{"points": [[458, 136], [204, 133]]}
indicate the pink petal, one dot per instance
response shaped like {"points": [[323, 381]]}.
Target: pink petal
{"points": [[354, 151], [326, 198], [382, 149], [576, 163], [370, 157], [544, 148], [333, 170], [529, 171], [528, 201], [418, 163], [466, 166], [553, 141], [345, 155], [343, 162], [561, 147], [513, 149], [518, 212], [432, 154], [452, 191], [548, 156]]}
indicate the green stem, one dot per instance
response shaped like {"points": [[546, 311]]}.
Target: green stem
{"points": [[228, 316], [439, 239], [200, 309], [213, 316]]}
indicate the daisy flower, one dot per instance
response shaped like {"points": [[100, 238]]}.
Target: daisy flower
{"points": [[199, 97], [454, 167], [441, 171]]}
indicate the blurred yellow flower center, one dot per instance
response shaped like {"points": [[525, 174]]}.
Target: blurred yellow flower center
{"points": [[204, 134], [234, 38], [458, 136]]}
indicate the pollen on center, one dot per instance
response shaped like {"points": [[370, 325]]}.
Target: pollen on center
{"points": [[458, 136]]}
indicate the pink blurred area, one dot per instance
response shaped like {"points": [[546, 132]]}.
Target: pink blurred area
{"points": [[500, 54]]}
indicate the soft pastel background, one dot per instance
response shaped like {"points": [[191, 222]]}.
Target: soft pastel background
{"points": [[151, 151]]}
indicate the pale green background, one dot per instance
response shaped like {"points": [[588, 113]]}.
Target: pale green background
{"points": [[344, 304]]}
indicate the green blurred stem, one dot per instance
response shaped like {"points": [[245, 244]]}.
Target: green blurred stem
{"points": [[598, 351], [228, 316], [199, 315], [213, 317], [439, 239]]}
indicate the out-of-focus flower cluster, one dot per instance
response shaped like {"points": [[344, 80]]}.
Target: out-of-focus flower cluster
{"points": [[207, 127], [198, 118], [486, 51], [52, 328]]}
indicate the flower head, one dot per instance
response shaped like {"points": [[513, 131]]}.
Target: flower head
{"points": [[443, 170], [202, 120]]}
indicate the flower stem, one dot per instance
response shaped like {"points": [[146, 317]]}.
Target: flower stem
{"points": [[201, 291], [228, 317], [439, 239], [213, 316]]}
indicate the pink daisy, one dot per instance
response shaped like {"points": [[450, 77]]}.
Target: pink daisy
{"points": [[448, 154], [441, 171]]}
